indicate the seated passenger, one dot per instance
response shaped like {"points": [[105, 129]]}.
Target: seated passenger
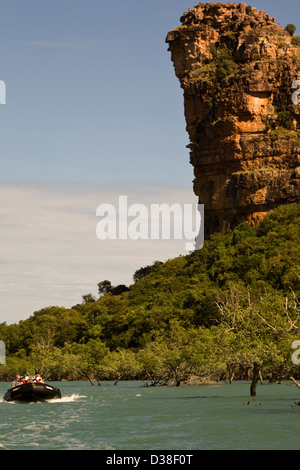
{"points": [[37, 378], [16, 381]]}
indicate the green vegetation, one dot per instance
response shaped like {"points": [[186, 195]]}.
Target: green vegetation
{"points": [[222, 67], [291, 136], [284, 118], [222, 311], [290, 28], [225, 64], [284, 125], [296, 40]]}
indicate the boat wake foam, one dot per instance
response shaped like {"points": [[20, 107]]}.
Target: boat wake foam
{"points": [[67, 399]]}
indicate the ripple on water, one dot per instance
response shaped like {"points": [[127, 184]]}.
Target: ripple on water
{"points": [[131, 417]]}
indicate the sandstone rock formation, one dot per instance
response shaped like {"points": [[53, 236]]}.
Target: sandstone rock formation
{"points": [[237, 67]]}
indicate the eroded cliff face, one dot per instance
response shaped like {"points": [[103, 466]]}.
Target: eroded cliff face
{"points": [[236, 67]]}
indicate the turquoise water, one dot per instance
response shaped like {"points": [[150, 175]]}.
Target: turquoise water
{"points": [[131, 417]]}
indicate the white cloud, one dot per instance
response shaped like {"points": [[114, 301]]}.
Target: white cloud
{"points": [[50, 254]]}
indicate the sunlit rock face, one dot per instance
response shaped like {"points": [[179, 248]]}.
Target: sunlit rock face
{"points": [[237, 67]]}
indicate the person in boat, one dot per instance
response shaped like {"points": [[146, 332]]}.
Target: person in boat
{"points": [[15, 382], [37, 378]]}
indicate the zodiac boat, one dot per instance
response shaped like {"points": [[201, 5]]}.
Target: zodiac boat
{"points": [[32, 392]]}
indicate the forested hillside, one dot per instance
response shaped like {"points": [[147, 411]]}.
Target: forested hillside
{"points": [[222, 311]]}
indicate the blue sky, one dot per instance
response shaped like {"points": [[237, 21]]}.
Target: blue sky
{"points": [[91, 94], [93, 110]]}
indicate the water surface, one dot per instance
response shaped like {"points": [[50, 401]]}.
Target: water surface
{"points": [[131, 417]]}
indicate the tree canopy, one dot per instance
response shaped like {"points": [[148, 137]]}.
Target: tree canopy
{"points": [[216, 313]]}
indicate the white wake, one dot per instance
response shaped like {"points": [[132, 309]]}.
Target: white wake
{"points": [[67, 399]]}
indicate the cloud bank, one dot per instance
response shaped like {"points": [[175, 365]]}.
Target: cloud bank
{"points": [[50, 254]]}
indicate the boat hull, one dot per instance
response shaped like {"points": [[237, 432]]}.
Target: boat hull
{"points": [[32, 392]]}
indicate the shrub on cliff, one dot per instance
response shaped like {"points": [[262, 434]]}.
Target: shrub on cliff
{"points": [[225, 64], [290, 28]]}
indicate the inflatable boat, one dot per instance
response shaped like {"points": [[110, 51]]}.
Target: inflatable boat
{"points": [[32, 392]]}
